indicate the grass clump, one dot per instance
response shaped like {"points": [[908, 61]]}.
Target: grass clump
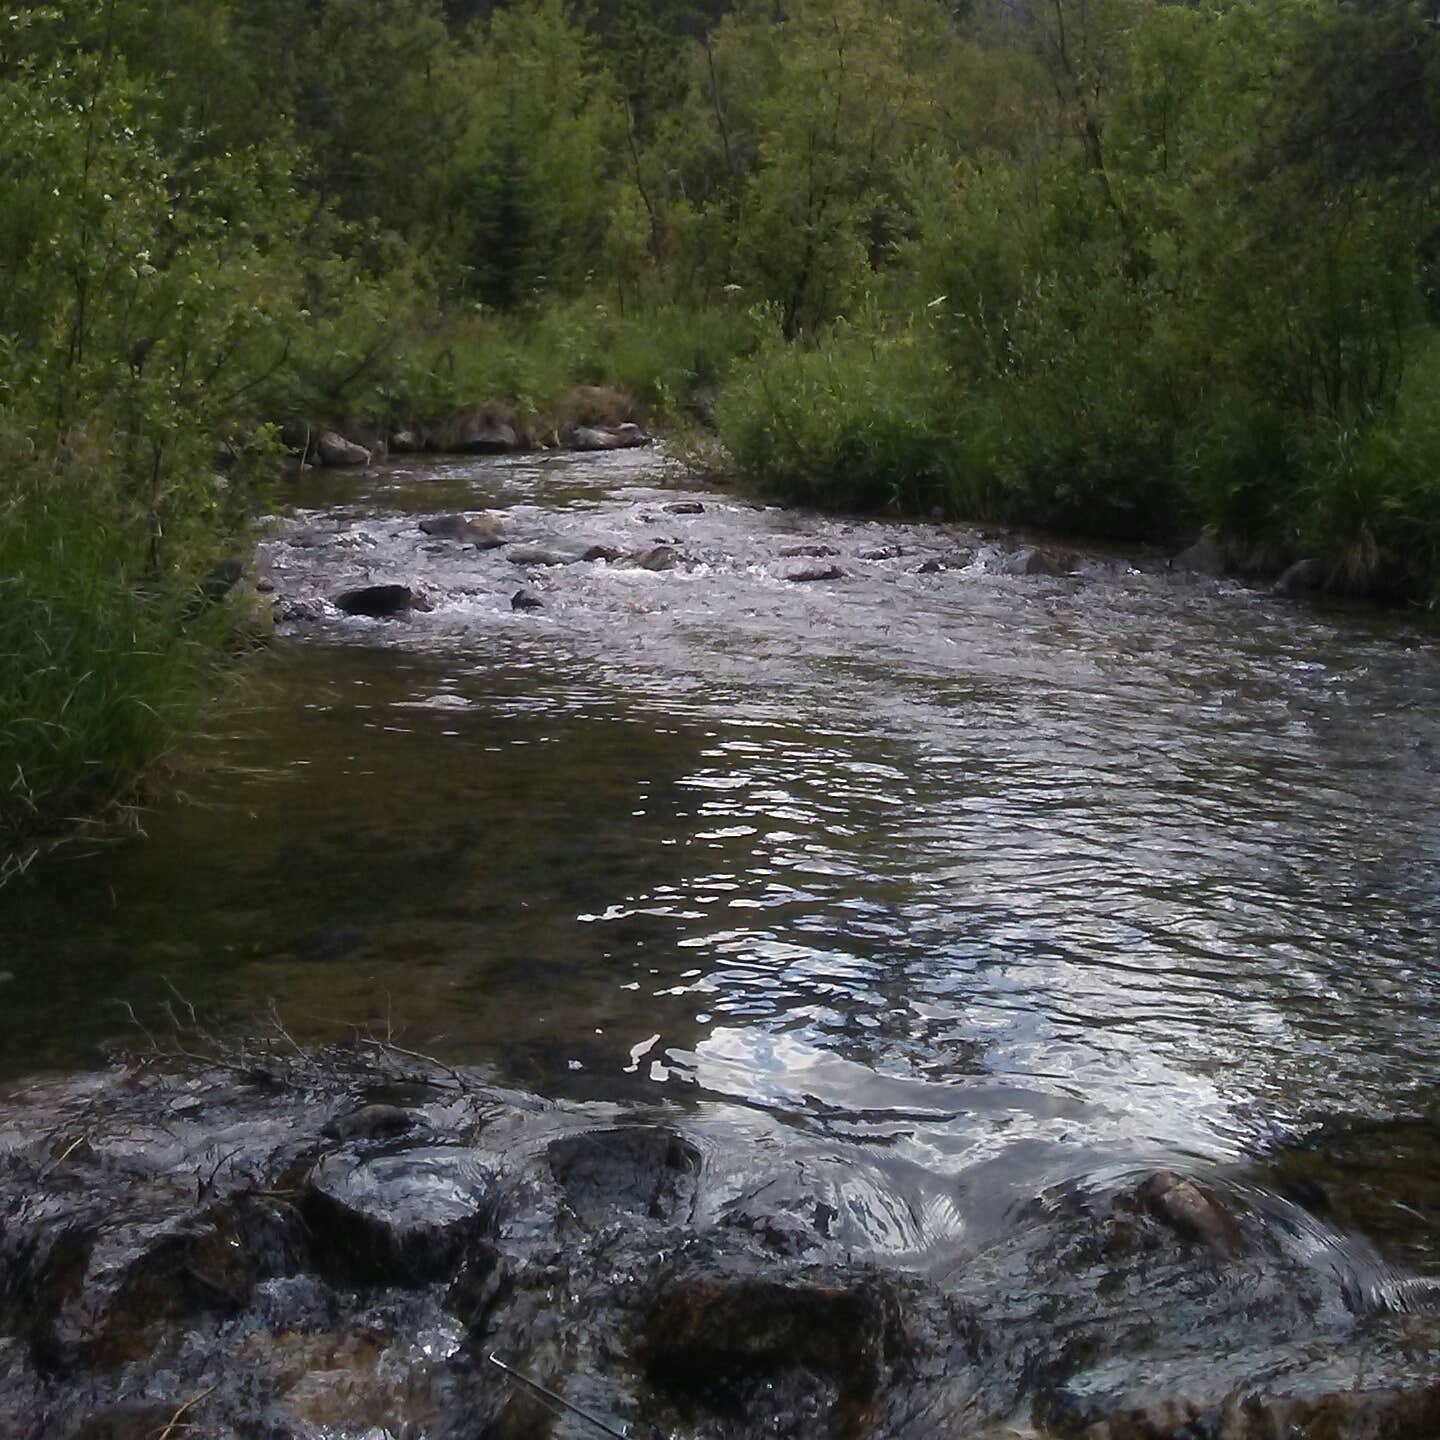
{"points": [[102, 668]]}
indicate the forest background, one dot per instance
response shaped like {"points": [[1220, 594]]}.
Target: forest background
{"points": [[1121, 268]]}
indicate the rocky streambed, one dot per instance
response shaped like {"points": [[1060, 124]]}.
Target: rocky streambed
{"points": [[337, 1244]]}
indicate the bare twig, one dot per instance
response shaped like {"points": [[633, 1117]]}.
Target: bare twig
{"points": [[177, 1421]]}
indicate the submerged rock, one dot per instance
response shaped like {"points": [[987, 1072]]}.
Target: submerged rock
{"points": [[685, 507], [526, 600], [817, 551], [815, 572], [381, 601], [542, 555]]}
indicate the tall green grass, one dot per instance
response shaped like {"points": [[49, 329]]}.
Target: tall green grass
{"points": [[102, 668]]}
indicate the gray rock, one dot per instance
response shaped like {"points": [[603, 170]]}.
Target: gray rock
{"points": [[401, 1219], [299, 611], [1032, 561], [816, 551], [602, 552], [482, 435], [658, 557], [541, 555], [685, 507], [483, 531], [1304, 577], [1204, 557], [815, 572], [526, 600], [334, 449], [381, 601], [880, 552], [596, 437]]}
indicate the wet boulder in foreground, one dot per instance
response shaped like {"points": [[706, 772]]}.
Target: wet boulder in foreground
{"points": [[716, 1332], [381, 602], [334, 1244], [97, 1294], [401, 1219]]}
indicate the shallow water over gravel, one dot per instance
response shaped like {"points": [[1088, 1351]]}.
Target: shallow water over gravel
{"points": [[987, 881]]}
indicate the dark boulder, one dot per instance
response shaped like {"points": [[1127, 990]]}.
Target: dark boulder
{"points": [[815, 572], [99, 1292], [402, 1219], [221, 579], [818, 552], [526, 600], [1304, 577], [685, 507], [720, 1336], [381, 601]]}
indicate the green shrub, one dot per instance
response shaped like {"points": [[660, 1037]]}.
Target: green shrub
{"points": [[864, 422]]}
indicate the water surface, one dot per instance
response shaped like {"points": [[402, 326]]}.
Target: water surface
{"points": [[992, 874]]}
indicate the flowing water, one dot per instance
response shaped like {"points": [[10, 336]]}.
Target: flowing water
{"points": [[1007, 880]]}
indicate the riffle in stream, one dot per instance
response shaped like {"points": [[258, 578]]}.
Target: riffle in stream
{"points": [[975, 990]]}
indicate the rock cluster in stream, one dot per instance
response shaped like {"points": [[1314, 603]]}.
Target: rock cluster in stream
{"points": [[334, 1246]]}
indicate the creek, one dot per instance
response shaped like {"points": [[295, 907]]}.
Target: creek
{"points": [[957, 880]]}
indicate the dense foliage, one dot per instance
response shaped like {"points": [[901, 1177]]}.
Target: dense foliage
{"points": [[1118, 266]]}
